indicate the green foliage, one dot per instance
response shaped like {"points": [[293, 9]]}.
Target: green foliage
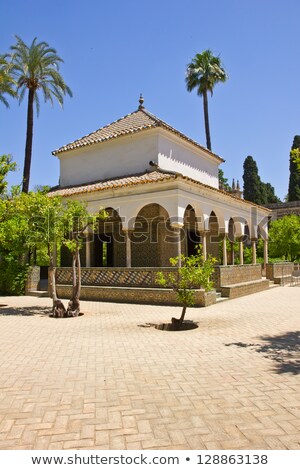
{"points": [[76, 220], [194, 273], [204, 72], [252, 183], [254, 189], [223, 182], [6, 165], [269, 195], [7, 83], [36, 67], [284, 238], [294, 181], [13, 276]]}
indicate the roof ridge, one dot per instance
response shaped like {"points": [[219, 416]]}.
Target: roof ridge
{"points": [[115, 129], [96, 130]]}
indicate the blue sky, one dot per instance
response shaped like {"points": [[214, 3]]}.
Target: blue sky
{"points": [[115, 50]]}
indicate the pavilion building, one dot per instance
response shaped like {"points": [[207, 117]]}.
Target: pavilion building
{"points": [[161, 190]]}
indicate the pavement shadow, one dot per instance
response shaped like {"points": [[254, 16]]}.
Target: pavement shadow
{"points": [[283, 349], [31, 311]]}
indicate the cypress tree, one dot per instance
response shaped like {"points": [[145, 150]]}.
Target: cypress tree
{"points": [[269, 193], [294, 182], [252, 183], [254, 189]]}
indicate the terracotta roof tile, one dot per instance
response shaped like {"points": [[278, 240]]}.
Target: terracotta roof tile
{"points": [[120, 182], [132, 123], [134, 180]]}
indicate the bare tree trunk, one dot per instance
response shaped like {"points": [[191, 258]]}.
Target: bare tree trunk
{"points": [[73, 309], [206, 120], [58, 308], [177, 322]]}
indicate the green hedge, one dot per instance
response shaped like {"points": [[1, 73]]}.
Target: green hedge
{"points": [[13, 276]]}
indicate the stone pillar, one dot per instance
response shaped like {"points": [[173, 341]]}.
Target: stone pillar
{"points": [[128, 248], [232, 253], [241, 250], [266, 257], [204, 245], [87, 253], [178, 232], [224, 250], [253, 243]]}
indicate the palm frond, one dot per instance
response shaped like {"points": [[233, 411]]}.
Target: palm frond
{"points": [[36, 66]]}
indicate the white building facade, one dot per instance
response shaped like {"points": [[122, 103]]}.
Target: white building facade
{"points": [[162, 193]]}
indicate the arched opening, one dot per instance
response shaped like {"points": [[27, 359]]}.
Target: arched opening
{"points": [[192, 235], [108, 244], [214, 238], [150, 245]]}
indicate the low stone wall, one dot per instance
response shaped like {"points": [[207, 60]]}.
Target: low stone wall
{"points": [[113, 277], [153, 296], [277, 270], [227, 275]]}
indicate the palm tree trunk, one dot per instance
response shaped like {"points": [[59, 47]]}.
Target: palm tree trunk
{"points": [[206, 120], [28, 147]]}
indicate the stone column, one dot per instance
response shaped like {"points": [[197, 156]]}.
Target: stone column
{"points": [[232, 253], [225, 250], [87, 253], [253, 243], [128, 248], [178, 232], [266, 256], [241, 250], [204, 245]]}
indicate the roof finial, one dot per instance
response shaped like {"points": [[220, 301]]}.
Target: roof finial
{"points": [[141, 101]]}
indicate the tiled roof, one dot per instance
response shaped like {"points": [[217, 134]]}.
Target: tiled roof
{"points": [[132, 123], [134, 180], [125, 181]]}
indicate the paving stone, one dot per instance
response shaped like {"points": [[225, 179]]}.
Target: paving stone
{"points": [[101, 382]]}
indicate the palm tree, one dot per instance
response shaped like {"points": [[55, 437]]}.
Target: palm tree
{"points": [[203, 73], [7, 83], [36, 68]]}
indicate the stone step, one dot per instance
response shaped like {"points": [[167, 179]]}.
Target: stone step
{"points": [[244, 288], [219, 297], [38, 293]]}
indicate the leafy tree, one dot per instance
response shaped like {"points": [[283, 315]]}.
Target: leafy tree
{"points": [[31, 221], [7, 83], [76, 221], [284, 238], [294, 181], [203, 73], [223, 182], [194, 273], [6, 165], [36, 69]]}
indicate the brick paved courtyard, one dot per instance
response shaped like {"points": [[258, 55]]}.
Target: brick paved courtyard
{"points": [[101, 381]]}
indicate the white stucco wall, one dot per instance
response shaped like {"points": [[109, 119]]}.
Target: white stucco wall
{"points": [[131, 154], [182, 157], [120, 157]]}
